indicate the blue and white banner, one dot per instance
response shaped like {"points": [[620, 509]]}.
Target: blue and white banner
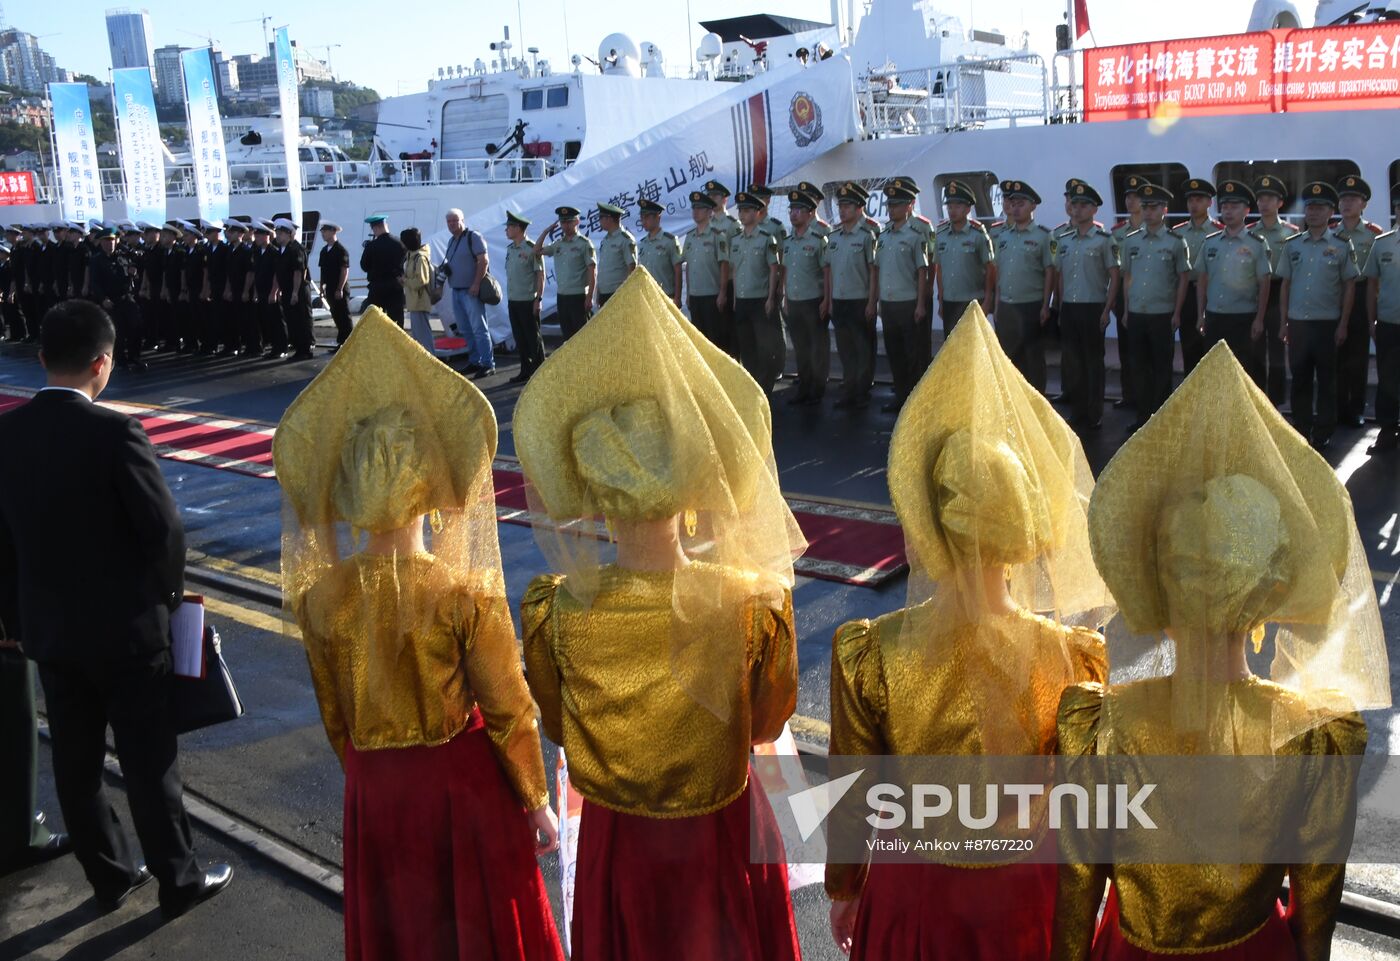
{"points": [[206, 134], [291, 117], [138, 130], [75, 152]]}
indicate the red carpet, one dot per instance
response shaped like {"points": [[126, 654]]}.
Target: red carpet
{"points": [[852, 544]]}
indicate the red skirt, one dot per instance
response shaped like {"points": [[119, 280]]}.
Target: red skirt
{"points": [[1272, 942], [683, 889], [440, 858], [933, 912]]}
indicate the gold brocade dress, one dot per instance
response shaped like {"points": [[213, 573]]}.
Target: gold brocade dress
{"points": [[893, 697], [1230, 912], [664, 863], [419, 681]]}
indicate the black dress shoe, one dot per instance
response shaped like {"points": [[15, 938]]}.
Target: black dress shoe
{"points": [[1120, 403], [1352, 422], [214, 881], [143, 877], [797, 400], [519, 378], [1320, 442], [1388, 440], [484, 373], [471, 369], [302, 355]]}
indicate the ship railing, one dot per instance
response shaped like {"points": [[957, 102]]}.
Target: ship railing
{"points": [[1066, 90], [965, 95]]}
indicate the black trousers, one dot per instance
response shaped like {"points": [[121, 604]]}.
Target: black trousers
{"points": [[297, 317], [13, 321], [1234, 329], [1152, 342], [167, 330], [126, 317], [572, 311], [387, 298], [1127, 379], [1273, 351], [761, 345], [604, 298], [908, 345], [525, 329], [187, 318], [951, 311], [1388, 374], [211, 324], [1354, 363], [717, 325], [340, 313], [853, 347], [19, 759], [1081, 345], [1312, 359], [811, 341], [32, 309], [1018, 330], [133, 696], [1193, 345], [274, 327]]}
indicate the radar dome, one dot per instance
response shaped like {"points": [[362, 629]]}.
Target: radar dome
{"points": [[711, 46], [619, 54]]}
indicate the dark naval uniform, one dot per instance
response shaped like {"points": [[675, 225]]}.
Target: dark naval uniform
{"points": [[382, 262], [113, 280], [240, 314], [333, 260], [294, 297], [274, 328], [216, 309]]}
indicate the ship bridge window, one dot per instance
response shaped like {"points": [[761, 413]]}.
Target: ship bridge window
{"points": [[557, 97], [1169, 175], [1294, 173], [542, 97], [531, 99], [984, 186]]}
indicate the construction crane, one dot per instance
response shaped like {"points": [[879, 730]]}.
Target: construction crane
{"points": [[203, 36], [264, 20], [328, 47]]}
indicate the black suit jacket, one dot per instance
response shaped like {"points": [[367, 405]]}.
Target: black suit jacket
{"points": [[92, 550]]}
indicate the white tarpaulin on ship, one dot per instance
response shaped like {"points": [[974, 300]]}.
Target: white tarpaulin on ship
{"points": [[759, 132]]}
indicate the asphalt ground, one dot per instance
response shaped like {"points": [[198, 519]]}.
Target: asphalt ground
{"points": [[273, 770]]}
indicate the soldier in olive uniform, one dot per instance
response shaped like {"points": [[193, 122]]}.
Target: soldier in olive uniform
{"points": [[1383, 311], [753, 266], [809, 189], [727, 224], [1232, 280], [1156, 269], [1354, 355], [855, 291], [1194, 230], [659, 252], [1319, 284], [921, 225], [807, 299], [1025, 275], [334, 261], [706, 259], [902, 259], [1087, 277], [1132, 205], [617, 252], [575, 270], [961, 258], [768, 223], [382, 262], [524, 289], [1270, 194]]}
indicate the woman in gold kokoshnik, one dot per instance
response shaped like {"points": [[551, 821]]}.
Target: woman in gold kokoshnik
{"points": [[663, 648], [991, 488], [1212, 524], [392, 569]]}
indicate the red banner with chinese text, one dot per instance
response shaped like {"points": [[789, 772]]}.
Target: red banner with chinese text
{"points": [[1355, 67], [16, 188]]}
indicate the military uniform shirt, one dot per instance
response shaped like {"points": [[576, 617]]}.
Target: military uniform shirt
{"points": [[803, 260], [924, 228], [659, 255], [902, 251], [1361, 239], [1022, 257], [1232, 268], [776, 229], [727, 224], [751, 258], [850, 254], [572, 258], [962, 257], [820, 227], [521, 269], [617, 252], [1274, 236], [1316, 268], [1383, 263], [1152, 265], [1195, 236], [333, 259], [112, 277], [702, 255], [1084, 263]]}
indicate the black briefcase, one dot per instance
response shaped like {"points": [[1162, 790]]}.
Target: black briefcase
{"points": [[209, 699]]}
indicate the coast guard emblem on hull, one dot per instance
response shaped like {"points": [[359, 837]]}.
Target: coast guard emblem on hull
{"points": [[804, 119]]}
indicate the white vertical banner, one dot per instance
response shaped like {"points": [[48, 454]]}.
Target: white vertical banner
{"points": [[206, 134], [75, 152], [138, 136], [291, 117]]}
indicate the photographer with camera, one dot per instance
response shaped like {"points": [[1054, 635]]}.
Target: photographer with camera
{"points": [[463, 269]]}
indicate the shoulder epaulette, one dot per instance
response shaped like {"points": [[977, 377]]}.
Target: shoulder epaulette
{"points": [[1388, 233], [1216, 234], [1374, 228], [1289, 240], [1044, 228], [667, 233], [923, 218], [1135, 231], [1099, 229], [1181, 226]]}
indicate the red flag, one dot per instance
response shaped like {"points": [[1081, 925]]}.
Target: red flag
{"points": [[1081, 18]]}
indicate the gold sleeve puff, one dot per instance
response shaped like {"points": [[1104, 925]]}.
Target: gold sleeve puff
{"points": [[536, 609], [1080, 887], [858, 704], [772, 668]]}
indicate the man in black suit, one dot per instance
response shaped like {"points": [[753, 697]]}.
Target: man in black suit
{"points": [[92, 556]]}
